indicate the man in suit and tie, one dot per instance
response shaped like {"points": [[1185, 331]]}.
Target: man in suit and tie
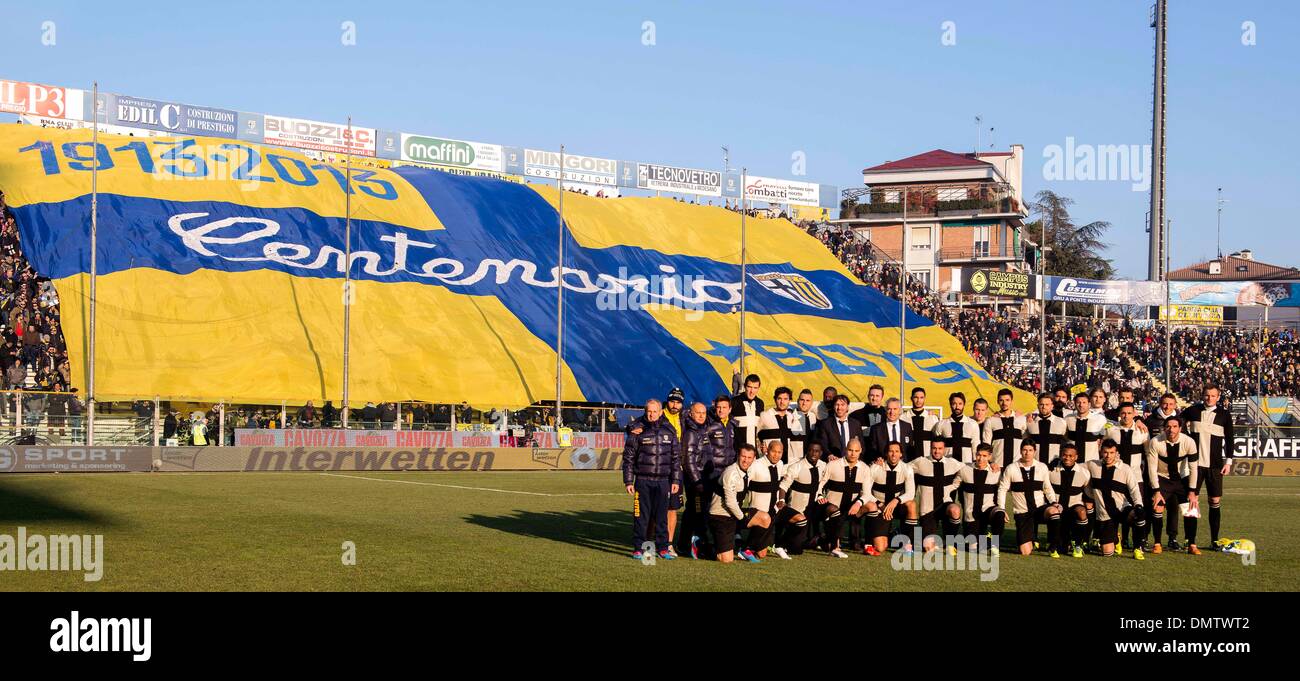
{"points": [[892, 429], [835, 432]]}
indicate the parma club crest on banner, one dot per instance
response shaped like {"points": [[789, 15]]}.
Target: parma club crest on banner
{"points": [[441, 260], [796, 287]]}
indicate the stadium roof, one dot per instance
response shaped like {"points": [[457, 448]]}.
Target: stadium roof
{"points": [[1236, 267], [930, 160]]}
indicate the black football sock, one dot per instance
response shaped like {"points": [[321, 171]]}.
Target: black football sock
{"points": [[1082, 530], [834, 521], [1214, 522]]}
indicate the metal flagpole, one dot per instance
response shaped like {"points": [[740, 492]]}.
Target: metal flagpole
{"points": [[1169, 333], [1259, 359], [743, 179], [902, 307], [1157, 239], [347, 271], [559, 305], [94, 258], [1042, 305]]}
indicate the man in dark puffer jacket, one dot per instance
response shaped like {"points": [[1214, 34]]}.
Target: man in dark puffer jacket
{"points": [[652, 470]]}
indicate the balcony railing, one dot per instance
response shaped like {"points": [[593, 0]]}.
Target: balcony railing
{"points": [[993, 252], [971, 200]]}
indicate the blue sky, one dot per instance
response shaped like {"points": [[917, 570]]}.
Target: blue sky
{"points": [[848, 84]]}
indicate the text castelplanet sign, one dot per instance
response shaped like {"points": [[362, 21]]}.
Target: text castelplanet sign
{"points": [[998, 283], [1097, 292], [674, 179]]}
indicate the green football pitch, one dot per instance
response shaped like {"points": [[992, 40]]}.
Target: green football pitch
{"points": [[522, 531]]}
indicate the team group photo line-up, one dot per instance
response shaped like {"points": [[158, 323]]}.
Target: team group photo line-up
{"points": [[752, 482]]}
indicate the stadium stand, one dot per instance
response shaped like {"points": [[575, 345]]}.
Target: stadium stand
{"points": [[1106, 353], [1103, 353]]}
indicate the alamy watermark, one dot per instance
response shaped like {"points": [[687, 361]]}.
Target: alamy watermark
{"points": [[960, 552], [664, 290], [24, 552], [1099, 163]]}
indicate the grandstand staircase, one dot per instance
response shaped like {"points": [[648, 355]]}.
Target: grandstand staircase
{"points": [[1254, 413], [1024, 359], [1156, 381]]}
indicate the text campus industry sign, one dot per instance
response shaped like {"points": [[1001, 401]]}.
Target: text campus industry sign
{"points": [[999, 283]]}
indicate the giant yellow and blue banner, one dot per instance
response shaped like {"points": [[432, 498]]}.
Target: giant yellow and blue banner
{"points": [[221, 276]]}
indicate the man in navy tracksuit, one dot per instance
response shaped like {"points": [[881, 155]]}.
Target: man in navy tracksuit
{"points": [[707, 449], [652, 471]]}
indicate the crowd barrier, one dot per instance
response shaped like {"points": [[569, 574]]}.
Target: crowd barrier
{"points": [[40, 459], [48, 459]]}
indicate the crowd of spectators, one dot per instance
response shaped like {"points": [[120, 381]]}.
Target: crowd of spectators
{"points": [[34, 365], [424, 416], [1106, 353], [1110, 354]]}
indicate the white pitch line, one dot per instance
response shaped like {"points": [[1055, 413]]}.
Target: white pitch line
{"points": [[476, 489]]}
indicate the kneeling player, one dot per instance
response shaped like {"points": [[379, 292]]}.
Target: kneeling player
{"points": [[765, 495], [979, 485], [893, 497], [1033, 499], [936, 479], [1118, 500], [1071, 484], [726, 517], [844, 492], [799, 500]]}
